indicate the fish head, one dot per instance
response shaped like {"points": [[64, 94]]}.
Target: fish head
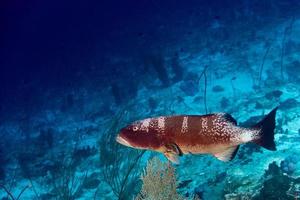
{"points": [[137, 136]]}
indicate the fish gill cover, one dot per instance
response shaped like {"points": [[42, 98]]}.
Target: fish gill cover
{"points": [[74, 73]]}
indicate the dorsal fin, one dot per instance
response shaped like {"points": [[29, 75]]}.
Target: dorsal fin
{"points": [[229, 118], [228, 154]]}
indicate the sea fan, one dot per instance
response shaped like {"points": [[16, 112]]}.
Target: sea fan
{"points": [[159, 182]]}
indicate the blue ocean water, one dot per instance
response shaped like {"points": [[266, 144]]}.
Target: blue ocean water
{"points": [[73, 73]]}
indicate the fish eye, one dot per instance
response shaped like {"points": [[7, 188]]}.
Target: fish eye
{"points": [[135, 128]]}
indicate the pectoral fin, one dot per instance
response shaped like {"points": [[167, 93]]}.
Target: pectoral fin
{"points": [[172, 151], [172, 157], [174, 148], [228, 154]]}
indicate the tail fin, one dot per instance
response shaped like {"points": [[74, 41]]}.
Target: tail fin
{"points": [[267, 126]]}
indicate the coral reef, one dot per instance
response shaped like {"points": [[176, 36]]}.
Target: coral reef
{"points": [[177, 68], [277, 185], [157, 62], [218, 88], [289, 104]]}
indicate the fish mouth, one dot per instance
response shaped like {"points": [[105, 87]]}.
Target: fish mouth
{"points": [[122, 141]]}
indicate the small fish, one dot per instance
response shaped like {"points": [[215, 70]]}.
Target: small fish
{"points": [[216, 134]]}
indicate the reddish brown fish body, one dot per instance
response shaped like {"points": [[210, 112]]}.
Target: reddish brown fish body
{"points": [[182, 130], [217, 134]]}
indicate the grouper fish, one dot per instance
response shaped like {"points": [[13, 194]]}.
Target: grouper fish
{"points": [[217, 134]]}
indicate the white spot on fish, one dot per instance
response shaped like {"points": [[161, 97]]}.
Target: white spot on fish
{"points": [[204, 124], [241, 135], [184, 126], [161, 123], [145, 125], [246, 136]]}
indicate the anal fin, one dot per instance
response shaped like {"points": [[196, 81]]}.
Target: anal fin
{"points": [[228, 154]]}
